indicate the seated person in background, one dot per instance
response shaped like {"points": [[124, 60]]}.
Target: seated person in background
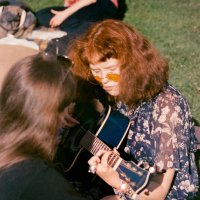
{"points": [[34, 95], [97, 10], [77, 17], [76, 13], [68, 3], [135, 77]]}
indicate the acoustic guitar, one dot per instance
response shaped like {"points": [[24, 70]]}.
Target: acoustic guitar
{"points": [[111, 133], [129, 171]]}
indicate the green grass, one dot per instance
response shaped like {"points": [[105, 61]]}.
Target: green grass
{"points": [[173, 26], [36, 5]]}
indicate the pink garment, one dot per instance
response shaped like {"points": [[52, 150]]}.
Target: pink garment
{"points": [[70, 2], [115, 2]]}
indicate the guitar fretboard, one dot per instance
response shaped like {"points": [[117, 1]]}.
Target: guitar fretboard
{"points": [[93, 144]]}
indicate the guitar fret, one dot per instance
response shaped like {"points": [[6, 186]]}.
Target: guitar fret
{"points": [[101, 146], [93, 148], [94, 144], [96, 147], [88, 143], [113, 159], [104, 147], [110, 159]]}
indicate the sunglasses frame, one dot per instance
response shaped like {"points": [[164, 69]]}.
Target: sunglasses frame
{"points": [[66, 59]]}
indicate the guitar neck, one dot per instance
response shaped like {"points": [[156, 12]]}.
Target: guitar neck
{"points": [[93, 144]]}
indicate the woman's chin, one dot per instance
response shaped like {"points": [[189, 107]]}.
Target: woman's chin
{"points": [[113, 93]]}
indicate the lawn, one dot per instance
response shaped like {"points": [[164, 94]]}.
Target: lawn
{"points": [[173, 26]]}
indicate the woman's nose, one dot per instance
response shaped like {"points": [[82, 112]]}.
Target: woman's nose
{"points": [[103, 74], [104, 80]]}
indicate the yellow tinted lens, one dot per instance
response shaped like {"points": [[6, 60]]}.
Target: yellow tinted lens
{"points": [[113, 77], [98, 79]]}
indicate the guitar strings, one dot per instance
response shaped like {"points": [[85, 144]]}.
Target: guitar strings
{"points": [[94, 144]]}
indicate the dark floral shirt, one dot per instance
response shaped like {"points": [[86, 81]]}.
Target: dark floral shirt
{"points": [[162, 133]]}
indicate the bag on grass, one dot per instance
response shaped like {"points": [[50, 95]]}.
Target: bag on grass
{"points": [[16, 21]]}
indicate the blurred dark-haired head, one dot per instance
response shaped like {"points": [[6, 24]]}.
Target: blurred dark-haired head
{"points": [[34, 94]]}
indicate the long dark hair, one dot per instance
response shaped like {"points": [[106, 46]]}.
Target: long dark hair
{"points": [[34, 93]]}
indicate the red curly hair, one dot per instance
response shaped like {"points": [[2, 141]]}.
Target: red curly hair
{"points": [[144, 72]]}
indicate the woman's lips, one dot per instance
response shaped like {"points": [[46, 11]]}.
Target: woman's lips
{"points": [[108, 88]]}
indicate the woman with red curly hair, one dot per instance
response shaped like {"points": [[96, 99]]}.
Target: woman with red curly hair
{"points": [[135, 75]]}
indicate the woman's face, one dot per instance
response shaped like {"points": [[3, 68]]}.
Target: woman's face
{"points": [[108, 74]]}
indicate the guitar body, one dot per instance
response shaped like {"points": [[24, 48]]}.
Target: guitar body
{"points": [[111, 132], [71, 155], [113, 129]]}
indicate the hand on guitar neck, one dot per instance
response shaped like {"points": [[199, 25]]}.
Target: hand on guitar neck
{"points": [[101, 163]]}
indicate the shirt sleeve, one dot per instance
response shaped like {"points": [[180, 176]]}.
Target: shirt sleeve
{"points": [[173, 132]]}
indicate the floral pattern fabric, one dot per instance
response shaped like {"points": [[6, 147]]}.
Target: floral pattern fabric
{"points": [[162, 133]]}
